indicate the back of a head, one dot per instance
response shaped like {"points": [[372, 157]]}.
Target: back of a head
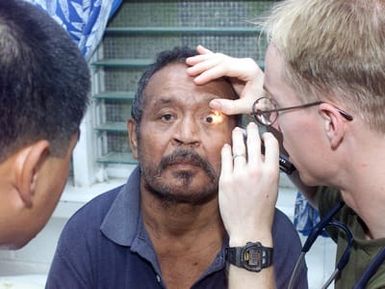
{"points": [[44, 80], [334, 49]]}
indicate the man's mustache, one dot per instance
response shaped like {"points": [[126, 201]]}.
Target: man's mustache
{"points": [[184, 156]]}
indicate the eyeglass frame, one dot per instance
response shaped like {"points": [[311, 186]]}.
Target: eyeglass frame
{"points": [[258, 112]]}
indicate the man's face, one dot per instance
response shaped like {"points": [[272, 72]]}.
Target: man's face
{"points": [[181, 137], [302, 128]]}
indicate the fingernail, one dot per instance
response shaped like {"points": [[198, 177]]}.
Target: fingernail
{"points": [[216, 104], [238, 129]]}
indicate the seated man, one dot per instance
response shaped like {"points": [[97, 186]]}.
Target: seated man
{"points": [[44, 86], [163, 228]]}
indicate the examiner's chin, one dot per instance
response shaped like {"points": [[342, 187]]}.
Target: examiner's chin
{"points": [[307, 180]]}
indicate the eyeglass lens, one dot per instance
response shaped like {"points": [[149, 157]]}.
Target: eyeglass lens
{"points": [[264, 111]]}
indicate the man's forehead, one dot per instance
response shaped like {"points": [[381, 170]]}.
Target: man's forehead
{"points": [[191, 100], [174, 77]]}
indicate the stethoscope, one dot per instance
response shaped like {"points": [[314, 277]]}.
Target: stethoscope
{"points": [[327, 222]]}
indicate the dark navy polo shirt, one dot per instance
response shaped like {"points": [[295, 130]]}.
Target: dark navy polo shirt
{"points": [[105, 245]]}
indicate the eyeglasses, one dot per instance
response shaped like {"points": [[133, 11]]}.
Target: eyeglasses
{"points": [[270, 111]]}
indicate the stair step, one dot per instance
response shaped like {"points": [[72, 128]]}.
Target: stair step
{"points": [[182, 30], [112, 127], [117, 158], [125, 62], [116, 95]]}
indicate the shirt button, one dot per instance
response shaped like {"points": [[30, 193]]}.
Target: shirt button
{"points": [[158, 278]]}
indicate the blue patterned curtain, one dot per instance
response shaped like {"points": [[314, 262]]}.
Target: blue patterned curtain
{"points": [[85, 20], [305, 216]]}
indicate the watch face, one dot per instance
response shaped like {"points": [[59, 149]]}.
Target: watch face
{"points": [[252, 258], [255, 257]]}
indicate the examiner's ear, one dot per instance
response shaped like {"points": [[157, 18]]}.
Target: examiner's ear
{"points": [[334, 124], [27, 164], [132, 137]]}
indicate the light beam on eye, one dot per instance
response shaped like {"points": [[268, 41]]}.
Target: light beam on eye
{"points": [[217, 117]]}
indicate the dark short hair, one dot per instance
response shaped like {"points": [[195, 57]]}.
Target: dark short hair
{"points": [[44, 80], [176, 55]]}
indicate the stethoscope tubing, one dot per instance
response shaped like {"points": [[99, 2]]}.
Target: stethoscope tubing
{"points": [[310, 241], [372, 268], [326, 222]]}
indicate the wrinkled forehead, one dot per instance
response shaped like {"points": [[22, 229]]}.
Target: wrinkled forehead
{"points": [[173, 80]]}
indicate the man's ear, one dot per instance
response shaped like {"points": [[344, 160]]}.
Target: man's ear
{"points": [[334, 124], [132, 137], [28, 162]]}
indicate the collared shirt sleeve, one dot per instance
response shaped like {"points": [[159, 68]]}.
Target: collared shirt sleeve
{"points": [[75, 264], [70, 267], [65, 273]]}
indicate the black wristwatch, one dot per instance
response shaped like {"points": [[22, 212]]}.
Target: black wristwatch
{"points": [[253, 256]]}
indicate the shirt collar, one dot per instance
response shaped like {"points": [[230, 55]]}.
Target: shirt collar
{"points": [[123, 219]]}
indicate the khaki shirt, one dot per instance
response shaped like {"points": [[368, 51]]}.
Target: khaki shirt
{"points": [[362, 251]]}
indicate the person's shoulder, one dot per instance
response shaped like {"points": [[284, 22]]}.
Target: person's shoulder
{"points": [[281, 218], [283, 227], [91, 215], [287, 248]]}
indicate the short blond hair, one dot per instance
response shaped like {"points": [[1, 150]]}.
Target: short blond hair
{"points": [[334, 49]]}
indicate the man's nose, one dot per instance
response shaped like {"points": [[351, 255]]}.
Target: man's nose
{"points": [[187, 133]]}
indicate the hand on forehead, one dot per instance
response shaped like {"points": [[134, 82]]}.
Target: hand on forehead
{"points": [[173, 79]]}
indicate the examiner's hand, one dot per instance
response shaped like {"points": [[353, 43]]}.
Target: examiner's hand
{"points": [[244, 73], [248, 187]]}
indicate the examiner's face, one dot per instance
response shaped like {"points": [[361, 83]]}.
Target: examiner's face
{"points": [[181, 137], [302, 129]]}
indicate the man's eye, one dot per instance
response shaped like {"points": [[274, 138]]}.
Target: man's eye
{"points": [[209, 119], [166, 117], [214, 118]]}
